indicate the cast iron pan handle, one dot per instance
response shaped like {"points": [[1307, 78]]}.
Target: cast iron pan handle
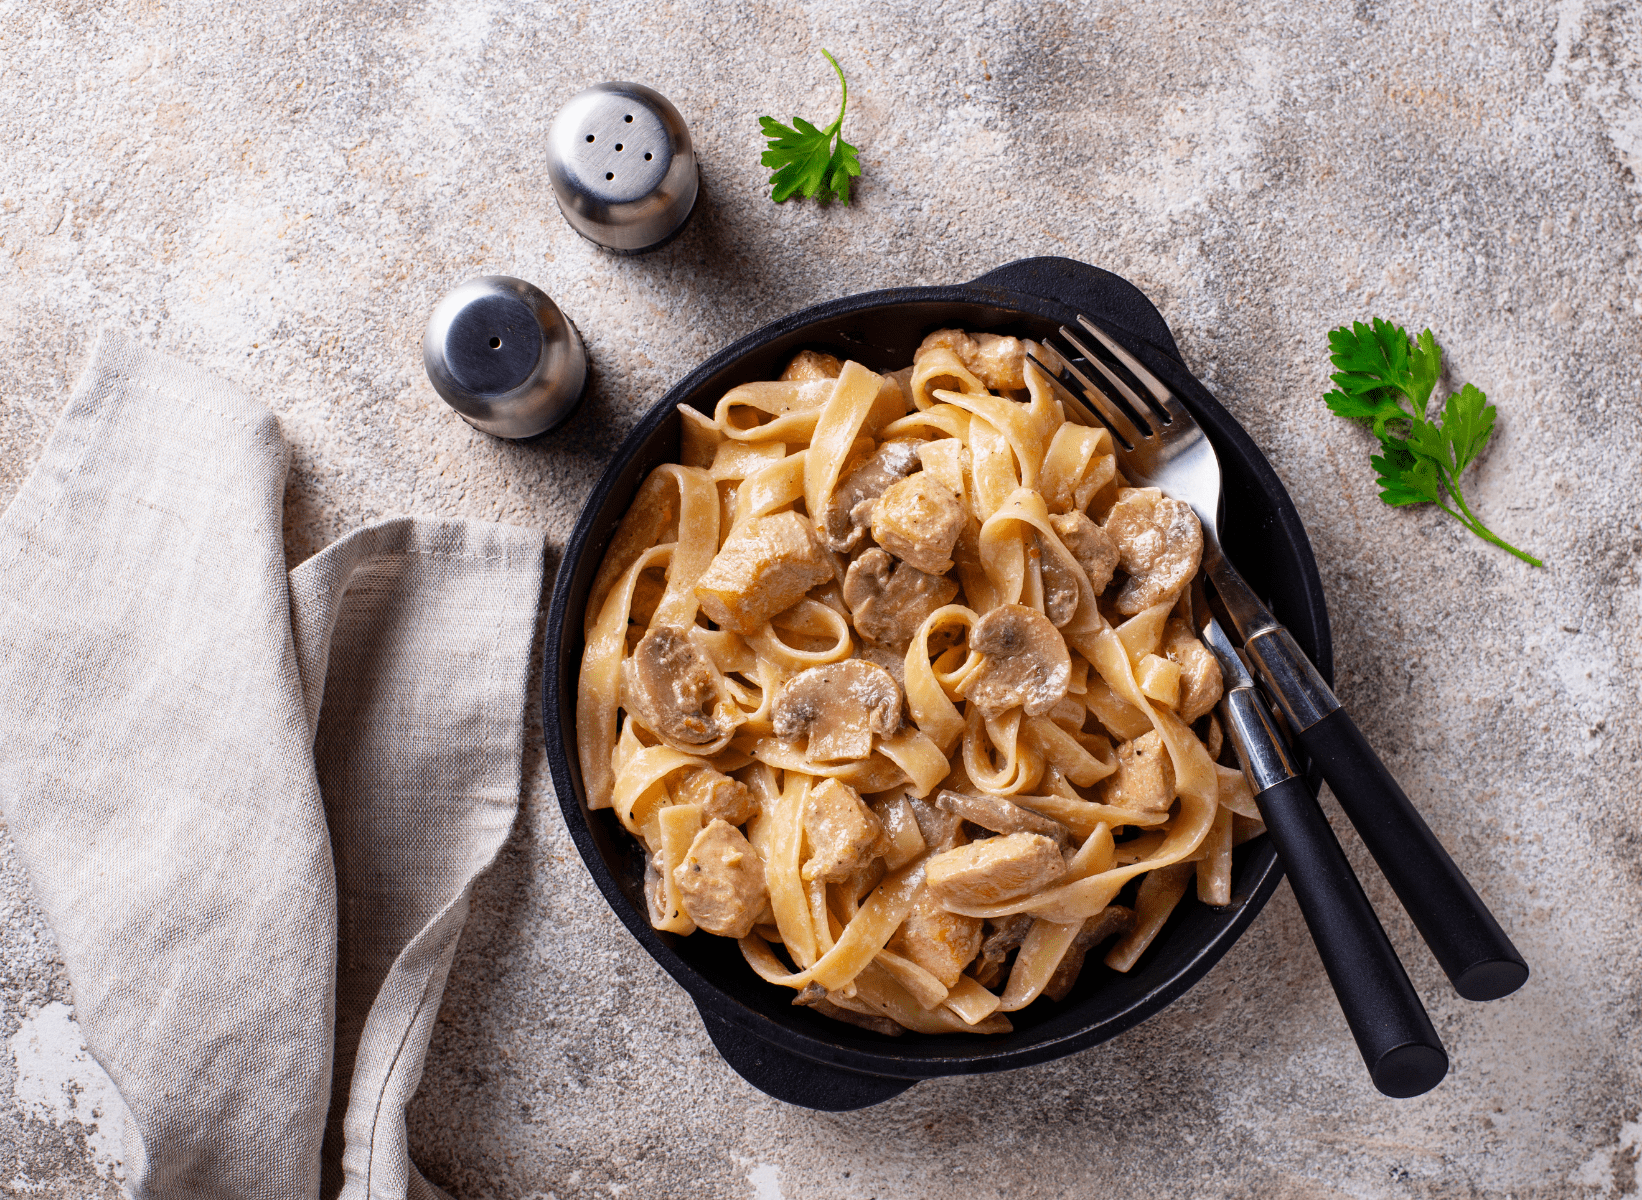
{"points": [[1088, 290], [802, 1081]]}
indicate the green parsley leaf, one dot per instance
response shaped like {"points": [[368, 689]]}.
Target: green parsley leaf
{"points": [[807, 160], [1384, 377]]}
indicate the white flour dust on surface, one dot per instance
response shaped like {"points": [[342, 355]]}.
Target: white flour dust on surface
{"points": [[58, 1081], [766, 1181]]}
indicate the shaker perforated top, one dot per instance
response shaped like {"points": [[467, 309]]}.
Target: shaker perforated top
{"points": [[622, 166], [500, 353]]}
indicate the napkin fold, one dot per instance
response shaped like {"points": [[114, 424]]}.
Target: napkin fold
{"points": [[251, 802]]}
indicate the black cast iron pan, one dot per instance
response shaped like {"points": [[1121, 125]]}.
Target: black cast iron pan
{"points": [[793, 1053]]}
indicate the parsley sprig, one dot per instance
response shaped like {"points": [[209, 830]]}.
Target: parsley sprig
{"points": [[808, 161], [1385, 380]]}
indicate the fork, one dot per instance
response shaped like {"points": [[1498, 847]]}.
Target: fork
{"points": [[1161, 445], [1401, 1049]]}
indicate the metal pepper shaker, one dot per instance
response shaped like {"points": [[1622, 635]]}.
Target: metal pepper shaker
{"points": [[622, 166], [500, 353]]}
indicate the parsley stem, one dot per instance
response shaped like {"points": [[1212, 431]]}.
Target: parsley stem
{"points": [[1471, 522], [843, 104]]}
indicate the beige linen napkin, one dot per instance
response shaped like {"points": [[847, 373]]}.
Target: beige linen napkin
{"points": [[252, 803]]}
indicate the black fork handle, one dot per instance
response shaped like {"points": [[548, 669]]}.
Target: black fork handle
{"points": [[1398, 1043], [1468, 943]]}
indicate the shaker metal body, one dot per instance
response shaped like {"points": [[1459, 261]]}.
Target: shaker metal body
{"points": [[499, 352], [622, 166]]}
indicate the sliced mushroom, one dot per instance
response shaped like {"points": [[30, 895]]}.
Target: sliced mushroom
{"points": [[1090, 545], [1003, 938], [940, 942], [815, 996], [1025, 662], [765, 567], [673, 689], [994, 870], [1159, 543], [1214, 738], [1060, 587], [940, 829], [1144, 780], [1000, 815], [1200, 680], [811, 364], [721, 881], [844, 834], [839, 707], [848, 511], [720, 797], [1110, 922], [889, 600], [919, 520]]}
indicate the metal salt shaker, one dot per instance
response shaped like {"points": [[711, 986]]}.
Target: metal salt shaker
{"points": [[500, 353], [622, 166]]}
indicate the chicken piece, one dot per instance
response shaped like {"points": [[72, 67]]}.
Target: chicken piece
{"points": [[844, 834], [1000, 815], [1026, 662], [848, 510], [838, 707], [721, 881], [1060, 587], [673, 689], [1090, 545], [1144, 780], [889, 600], [998, 362], [1108, 923], [1200, 680], [720, 797], [1003, 938], [918, 520], [764, 568], [808, 365], [1159, 543], [940, 942], [994, 870]]}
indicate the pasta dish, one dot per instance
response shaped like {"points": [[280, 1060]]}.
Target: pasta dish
{"points": [[894, 678]]}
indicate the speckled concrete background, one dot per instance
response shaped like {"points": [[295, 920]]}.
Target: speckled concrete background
{"points": [[282, 191]]}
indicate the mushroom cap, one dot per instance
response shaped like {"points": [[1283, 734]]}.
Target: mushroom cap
{"points": [[1025, 662], [890, 600], [839, 706], [1159, 543], [1060, 586], [673, 689]]}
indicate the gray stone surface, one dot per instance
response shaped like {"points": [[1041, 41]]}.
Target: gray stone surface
{"points": [[282, 191]]}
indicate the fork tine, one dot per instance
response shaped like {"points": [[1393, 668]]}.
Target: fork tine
{"points": [[1171, 404], [1080, 408], [1136, 407], [1119, 423]]}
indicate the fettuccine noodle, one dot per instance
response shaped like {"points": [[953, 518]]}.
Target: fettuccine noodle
{"points": [[894, 678]]}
